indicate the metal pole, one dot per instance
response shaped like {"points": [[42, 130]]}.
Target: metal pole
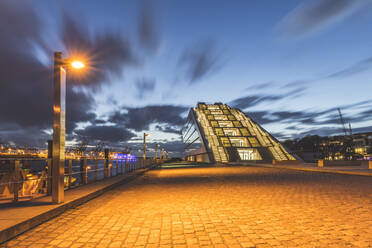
{"points": [[69, 172], [85, 172], [106, 164], [144, 150], [105, 169], [156, 150], [117, 167], [17, 168], [59, 131], [49, 181], [121, 162], [49, 165], [95, 169]]}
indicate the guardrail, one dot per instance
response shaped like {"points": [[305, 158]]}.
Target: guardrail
{"points": [[26, 179]]}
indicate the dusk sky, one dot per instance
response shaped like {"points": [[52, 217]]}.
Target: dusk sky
{"points": [[287, 64]]}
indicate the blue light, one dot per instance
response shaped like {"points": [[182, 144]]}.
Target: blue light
{"points": [[124, 156]]}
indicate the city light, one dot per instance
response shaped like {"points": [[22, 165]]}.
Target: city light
{"points": [[77, 64]]}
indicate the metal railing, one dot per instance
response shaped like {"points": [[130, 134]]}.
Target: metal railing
{"points": [[26, 179]]}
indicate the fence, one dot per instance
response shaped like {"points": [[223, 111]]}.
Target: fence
{"points": [[26, 179]]}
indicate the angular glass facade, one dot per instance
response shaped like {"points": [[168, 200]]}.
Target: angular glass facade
{"points": [[218, 133]]}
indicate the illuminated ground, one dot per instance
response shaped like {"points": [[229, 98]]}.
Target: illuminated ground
{"points": [[219, 207]]}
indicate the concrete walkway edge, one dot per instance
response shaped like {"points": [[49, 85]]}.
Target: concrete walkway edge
{"points": [[354, 173], [28, 224]]}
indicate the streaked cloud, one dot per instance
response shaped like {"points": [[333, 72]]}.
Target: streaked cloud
{"points": [[315, 15]]}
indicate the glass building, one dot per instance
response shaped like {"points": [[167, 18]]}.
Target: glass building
{"points": [[218, 133]]}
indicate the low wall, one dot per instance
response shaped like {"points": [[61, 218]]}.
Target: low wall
{"points": [[286, 162], [324, 163]]}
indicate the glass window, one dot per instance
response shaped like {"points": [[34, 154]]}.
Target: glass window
{"points": [[213, 107], [214, 124], [225, 141], [231, 132], [219, 132], [244, 131], [237, 124], [249, 154], [216, 112], [239, 142], [210, 117], [207, 112], [202, 106], [232, 118], [226, 112], [253, 141], [225, 124], [220, 117]]}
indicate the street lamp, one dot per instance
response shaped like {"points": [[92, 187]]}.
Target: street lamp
{"points": [[59, 123], [144, 149]]}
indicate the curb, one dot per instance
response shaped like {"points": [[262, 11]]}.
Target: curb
{"points": [[26, 225], [352, 173]]}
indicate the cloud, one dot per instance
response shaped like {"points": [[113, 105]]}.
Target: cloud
{"points": [[261, 86], [200, 60], [108, 53], [253, 100], [28, 137], [145, 86], [26, 83], [168, 129], [359, 67], [324, 122], [147, 33], [140, 118], [108, 134], [315, 15]]}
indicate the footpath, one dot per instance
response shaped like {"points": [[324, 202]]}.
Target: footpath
{"points": [[361, 170]]}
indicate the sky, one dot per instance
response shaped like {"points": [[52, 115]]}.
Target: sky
{"points": [[289, 65]]}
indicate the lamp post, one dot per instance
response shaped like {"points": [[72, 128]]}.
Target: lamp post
{"points": [[144, 149], [59, 124]]}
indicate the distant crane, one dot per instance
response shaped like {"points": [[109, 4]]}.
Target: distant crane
{"points": [[347, 147], [343, 124]]}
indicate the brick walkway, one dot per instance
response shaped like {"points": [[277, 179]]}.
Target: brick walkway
{"points": [[218, 207]]}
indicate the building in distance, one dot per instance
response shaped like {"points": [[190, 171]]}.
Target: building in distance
{"points": [[219, 133]]}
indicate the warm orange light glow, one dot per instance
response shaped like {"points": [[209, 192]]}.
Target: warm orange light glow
{"points": [[77, 64]]}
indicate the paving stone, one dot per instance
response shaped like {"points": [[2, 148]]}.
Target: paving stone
{"points": [[218, 207]]}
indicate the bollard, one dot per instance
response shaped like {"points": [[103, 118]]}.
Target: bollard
{"points": [[117, 167], [17, 168], [320, 163], [95, 170], [370, 164], [69, 172], [49, 181]]}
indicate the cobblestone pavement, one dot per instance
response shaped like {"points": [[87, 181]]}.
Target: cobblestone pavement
{"points": [[218, 207]]}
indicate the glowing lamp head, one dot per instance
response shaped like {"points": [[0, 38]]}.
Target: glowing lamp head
{"points": [[77, 64]]}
